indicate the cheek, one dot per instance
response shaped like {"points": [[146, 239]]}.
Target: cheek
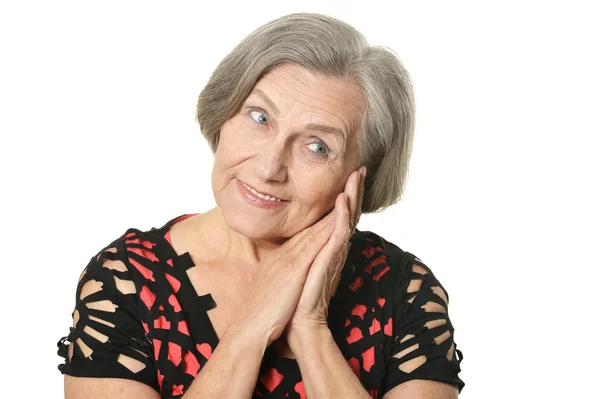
{"points": [[222, 165], [236, 142], [317, 192], [233, 146]]}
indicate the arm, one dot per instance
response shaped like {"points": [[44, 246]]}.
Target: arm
{"points": [[326, 373], [232, 370], [107, 356], [423, 389], [424, 362], [106, 388]]}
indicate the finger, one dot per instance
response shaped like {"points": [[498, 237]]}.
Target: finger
{"points": [[324, 221], [335, 281], [323, 226], [310, 246], [295, 243], [328, 218], [341, 233], [342, 230], [361, 193], [295, 239], [351, 191], [338, 240]]}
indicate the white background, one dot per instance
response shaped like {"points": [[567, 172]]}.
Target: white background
{"points": [[97, 106]]}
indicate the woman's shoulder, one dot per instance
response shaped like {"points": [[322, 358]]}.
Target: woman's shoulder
{"points": [[129, 249], [107, 326], [423, 345], [375, 249], [385, 262], [163, 225], [371, 242], [137, 236]]}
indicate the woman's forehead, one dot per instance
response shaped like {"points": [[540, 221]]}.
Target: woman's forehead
{"points": [[289, 90]]}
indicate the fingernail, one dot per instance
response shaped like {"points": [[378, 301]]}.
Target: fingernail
{"points": [[363, 171]]}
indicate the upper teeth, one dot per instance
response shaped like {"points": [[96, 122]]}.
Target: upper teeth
{"points": [[260, 195]]}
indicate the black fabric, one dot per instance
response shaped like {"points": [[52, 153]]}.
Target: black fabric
{"points": [[121, 328], [144, 321]]}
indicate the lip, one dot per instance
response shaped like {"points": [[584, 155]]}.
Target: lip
{"points": [[256, 201]]}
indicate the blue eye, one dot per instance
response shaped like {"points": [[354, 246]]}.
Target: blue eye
{"points": [[263, 120], [320, 148]]}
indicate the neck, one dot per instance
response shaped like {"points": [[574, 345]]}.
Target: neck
{"points": [[237, 247]]}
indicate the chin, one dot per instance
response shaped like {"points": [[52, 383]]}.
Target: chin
{"points": [[246, 223], [242, 218], [251, 228]]}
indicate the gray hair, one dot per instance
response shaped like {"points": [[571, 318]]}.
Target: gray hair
{"points": [[328, 46]]}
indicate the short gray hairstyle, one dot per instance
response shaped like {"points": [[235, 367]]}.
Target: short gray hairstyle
{"points": [[332, 48]]}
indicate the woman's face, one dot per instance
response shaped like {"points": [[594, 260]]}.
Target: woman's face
{"points": [[295, 138]]}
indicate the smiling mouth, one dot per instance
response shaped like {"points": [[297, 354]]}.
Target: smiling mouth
{"points": [[261, 195]]}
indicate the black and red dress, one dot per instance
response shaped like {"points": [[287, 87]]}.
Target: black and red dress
{"points": [[134, 300]]}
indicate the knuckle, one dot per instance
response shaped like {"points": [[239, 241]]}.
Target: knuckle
{"points": [[309, 234], [307, 248], [295, 263], [345, 238]]}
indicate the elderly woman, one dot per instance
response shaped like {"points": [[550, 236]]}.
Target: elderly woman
{"points": [[274, 292]]}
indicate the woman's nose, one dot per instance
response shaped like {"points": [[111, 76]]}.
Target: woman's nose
{"points": [[271, 162]]}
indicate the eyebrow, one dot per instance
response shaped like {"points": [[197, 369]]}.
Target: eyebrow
{"points": [[310, 126]]}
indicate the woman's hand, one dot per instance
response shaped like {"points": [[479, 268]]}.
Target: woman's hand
{"points": [[325, 272], [276, 288], [301, 263]]}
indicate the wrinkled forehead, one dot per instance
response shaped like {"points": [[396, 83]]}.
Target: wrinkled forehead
{"points": [[292, 90]]}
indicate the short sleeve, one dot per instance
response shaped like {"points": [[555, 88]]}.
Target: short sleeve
{"points": [[107, 338], [423, 344]]}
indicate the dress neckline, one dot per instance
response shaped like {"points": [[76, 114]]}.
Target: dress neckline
{"points": [[201, 304], [181, 263]]}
